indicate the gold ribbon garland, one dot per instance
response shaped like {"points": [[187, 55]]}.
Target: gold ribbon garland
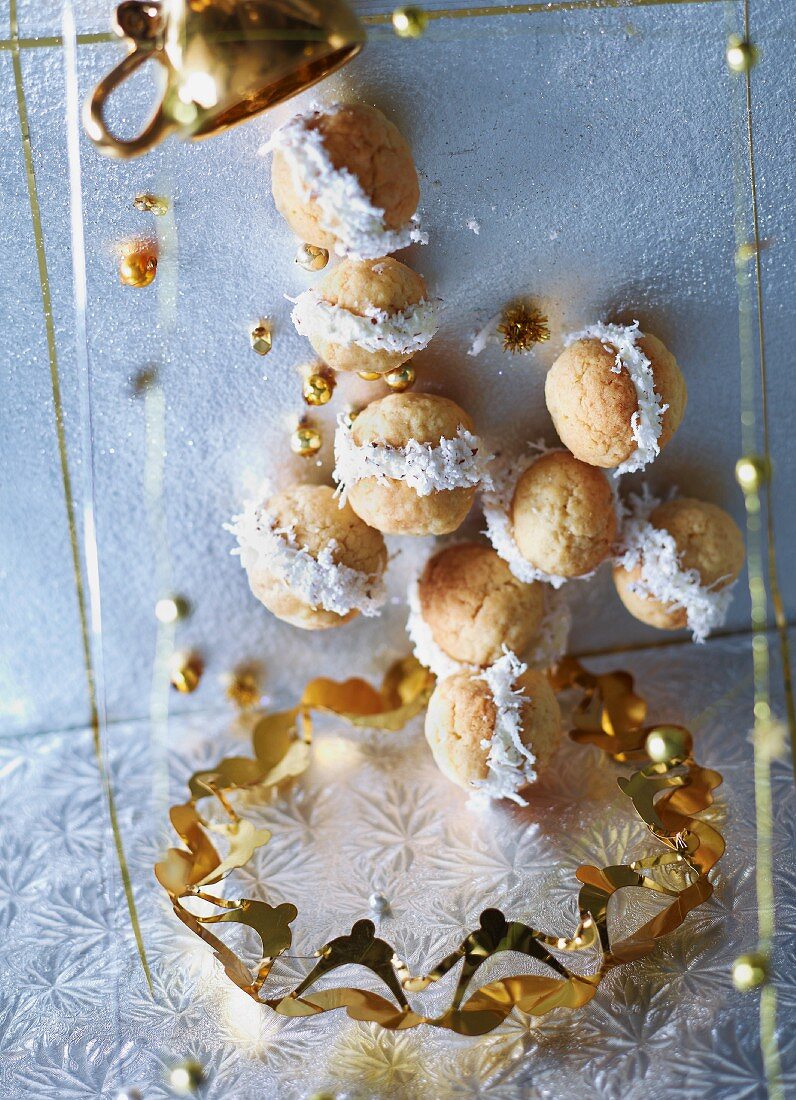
{"points": [[666, 795]]}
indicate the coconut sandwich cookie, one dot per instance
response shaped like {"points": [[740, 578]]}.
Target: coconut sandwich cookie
{"points": [[466, 609], [550, 516], [616, 396], [343, 178], [493, 733], [410, 464], [367, 315], [310, 562], [679, 564]]}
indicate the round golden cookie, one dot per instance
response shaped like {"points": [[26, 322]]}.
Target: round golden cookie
{"points": [[591, 406], [474, 605], [315, 517], [708, 540], [359, 285], [362, 141], [563, 515], [393, 506], [462, 714]]}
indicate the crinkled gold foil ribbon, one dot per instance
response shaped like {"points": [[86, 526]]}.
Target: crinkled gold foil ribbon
{"points": [[667, 797]]}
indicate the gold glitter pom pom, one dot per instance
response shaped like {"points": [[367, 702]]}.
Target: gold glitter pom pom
{"points": [[369, 375], [311, 257], [750, 971], [187, 1077], [138, 265], [261, 338], [741, 54], [305, 441], [172, 608], [243, 687], [151, 204], [522, 325], [144, 380], [751, 471], [409, 22], [665, 743], [318, 387], [401, 379], [185, 672]]}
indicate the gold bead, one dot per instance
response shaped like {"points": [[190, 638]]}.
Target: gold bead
{"points": [[185, 672], [369, 375], [751, 471], [187, 1077], [171, 608], [318, 388], [261, 339], [665, 743], [138, 265], [750, 971], [401, 379], [151, 204], [311, 257], [305, 441], [741, 54], [409, 22], [244, 688]]}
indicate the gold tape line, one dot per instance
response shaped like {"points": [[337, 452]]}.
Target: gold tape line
{"points": [[66, 479], [384, 19], [756, 536]]}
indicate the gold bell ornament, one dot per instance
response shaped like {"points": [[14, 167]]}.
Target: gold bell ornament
{"points": [[221, 61]]}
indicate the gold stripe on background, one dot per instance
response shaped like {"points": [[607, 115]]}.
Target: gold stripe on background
{"points": [[66, 479]]}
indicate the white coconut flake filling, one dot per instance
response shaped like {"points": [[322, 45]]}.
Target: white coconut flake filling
{"points": [[457, 463], [405, 331], [662, 577], [318, 581], [510, 762], [346, 211], [548, 647], [646, 423]]}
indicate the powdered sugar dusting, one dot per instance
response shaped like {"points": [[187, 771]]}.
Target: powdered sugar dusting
{"points": [[346, 210], [662, 577], [510, 762], [457, 463], [318, 581], [646, 422], [405, 332]]}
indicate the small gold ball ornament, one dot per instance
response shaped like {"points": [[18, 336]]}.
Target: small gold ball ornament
{"points": [[665, 743], [312, 257], [185, 672], [751, 471], [409, 22], [401, 379], [172, 608], [369, 375], [187, 1077], [318, 388], [305, 441], [261, 337], [151, 204], [750, 971], [742, 55], [138, 265]]}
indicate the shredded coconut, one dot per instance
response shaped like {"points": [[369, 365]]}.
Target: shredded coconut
{"points": [[404, 332], [318, 581], [496, 503], [510, 762], [662, 577], [646, 422], [548, 647], [473, 226], [456, 463], [346, 211], [487, 335]]}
